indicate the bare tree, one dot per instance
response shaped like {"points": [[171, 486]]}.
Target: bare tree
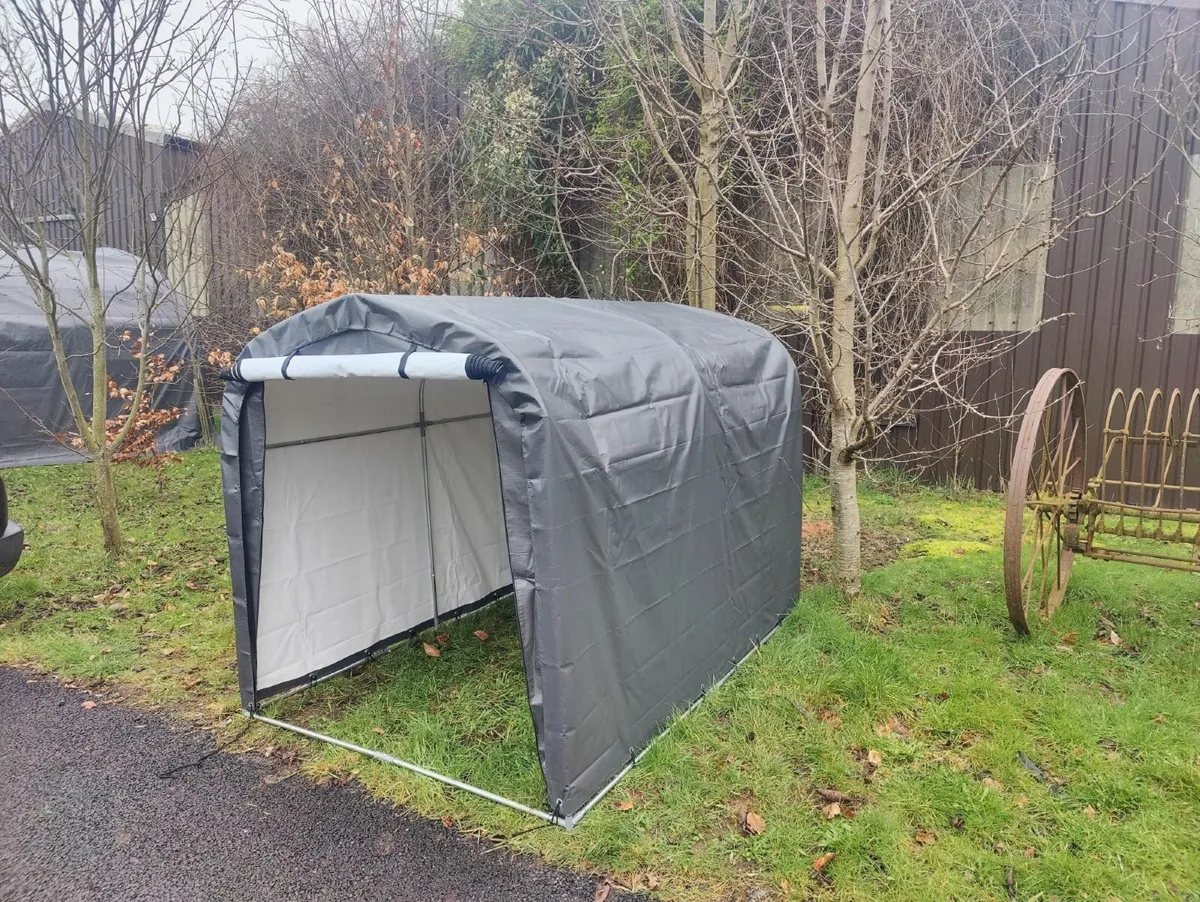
{"points": [[79, 82], [339, 162], [654, 44], [904, 166]]}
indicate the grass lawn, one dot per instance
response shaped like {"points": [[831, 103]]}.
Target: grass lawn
{"points": [[972, 764]]}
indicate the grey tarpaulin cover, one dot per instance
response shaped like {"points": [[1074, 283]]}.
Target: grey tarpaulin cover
{"points": [[33, 405], [637, 482]]}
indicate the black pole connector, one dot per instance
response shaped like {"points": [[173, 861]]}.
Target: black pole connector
{"points": [[232, 373], [484, 369]]}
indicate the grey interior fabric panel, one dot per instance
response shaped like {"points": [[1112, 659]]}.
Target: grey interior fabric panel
{"points": [[33, 404], [347, 537], [650, 471], [326, 408], [470, 550], [345, 557]]}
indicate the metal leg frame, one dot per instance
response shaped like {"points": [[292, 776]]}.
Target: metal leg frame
{"points": [[408, 765], [569, 821]]}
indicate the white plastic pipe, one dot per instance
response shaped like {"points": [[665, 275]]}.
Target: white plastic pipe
{"points": [[416, 365]]}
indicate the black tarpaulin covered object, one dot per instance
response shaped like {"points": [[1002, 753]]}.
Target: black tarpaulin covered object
{"points": [[631, 470], [33, 404]]}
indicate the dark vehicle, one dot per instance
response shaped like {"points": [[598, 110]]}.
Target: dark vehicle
{"points": [[12, 540]]}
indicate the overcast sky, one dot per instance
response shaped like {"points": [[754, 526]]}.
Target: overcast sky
{"points": [[247, 49]]}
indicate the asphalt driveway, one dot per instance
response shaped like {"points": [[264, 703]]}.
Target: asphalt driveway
{"points": [[84, 816]]}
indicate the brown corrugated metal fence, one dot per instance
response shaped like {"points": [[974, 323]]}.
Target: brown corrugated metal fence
{"points": [[1111, 282]]}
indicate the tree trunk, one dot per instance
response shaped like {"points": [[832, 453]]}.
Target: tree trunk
{"points": [[706, 203], [843, 397], [843, 469], [106, 505], [707, 155], [691, 270], [843, 490]]}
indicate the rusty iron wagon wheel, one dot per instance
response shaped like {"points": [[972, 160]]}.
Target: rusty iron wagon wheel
{"points": [[1045, 485]]}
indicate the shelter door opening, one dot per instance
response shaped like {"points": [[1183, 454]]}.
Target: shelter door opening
{"points": [[381, 514]]}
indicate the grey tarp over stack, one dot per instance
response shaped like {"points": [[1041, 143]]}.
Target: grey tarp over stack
{"points": [[33, 405], [649, 468]]}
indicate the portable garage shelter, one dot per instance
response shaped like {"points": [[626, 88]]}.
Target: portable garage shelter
{"points": [[629, 471], [33, 405]]}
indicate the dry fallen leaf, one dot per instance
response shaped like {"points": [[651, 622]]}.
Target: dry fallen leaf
{"points": [[754, 824], [993, 784], [1089, 811], [830, 717], [833, 795], [480, 635], [623, 804], [380, 730], [651, 880], [1030, 852], [830, 811], [167, 652], [925, 838], [893, 725], [785, 886], [443, 638], [1113, 638], [88, 705], [1070, 638], [432, 650], [602, 892], [819, 864], [874, 757]]}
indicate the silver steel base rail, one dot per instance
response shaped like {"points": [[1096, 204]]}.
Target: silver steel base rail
{"points": [[408, 765], [570, 821]]}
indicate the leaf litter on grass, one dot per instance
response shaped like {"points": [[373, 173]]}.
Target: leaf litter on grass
{"points": [[922, 669]]}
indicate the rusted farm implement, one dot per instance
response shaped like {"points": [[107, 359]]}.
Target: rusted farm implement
{"points": [[1147, 488]]}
